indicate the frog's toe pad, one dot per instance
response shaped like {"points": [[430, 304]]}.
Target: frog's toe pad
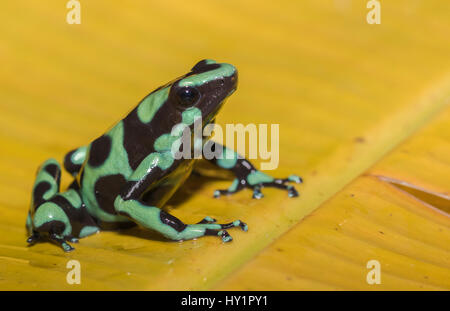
{"points": [[280, 183]]}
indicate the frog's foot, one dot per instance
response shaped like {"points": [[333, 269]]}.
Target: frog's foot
{"points": [[61, 242], [34, 238], [219, 229], [209, 223], [223, 234], [262, 181]]}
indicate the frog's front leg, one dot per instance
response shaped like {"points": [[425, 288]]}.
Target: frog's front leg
{"points": [[247, 176], [129, 204]]}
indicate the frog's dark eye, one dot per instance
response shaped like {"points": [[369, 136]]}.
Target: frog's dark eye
{"points": [[188, 96]]}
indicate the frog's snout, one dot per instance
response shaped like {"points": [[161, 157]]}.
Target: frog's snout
{"points": [[229, 78], [234, 81], [225, 74]]}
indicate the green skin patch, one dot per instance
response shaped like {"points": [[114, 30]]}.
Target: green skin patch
{"points": [[135, 157], [150, 105], [258, 177], [295, 179], [225, 70], [73, 197], [149, 216], [163, 144], [48, 212], [234, 185], [116, 163], [156, 159], [228, 160]]}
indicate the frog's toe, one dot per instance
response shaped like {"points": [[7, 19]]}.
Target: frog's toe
{"points": [[207, 220], [243, 225], [292, 178], [236, 223], [220, 192], [295, 178], [292, 192], [223, 234], [226, 237], [236, 186], [67, 248], [73, 240]]}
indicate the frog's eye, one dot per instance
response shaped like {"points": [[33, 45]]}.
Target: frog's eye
{"points": [[188, 96]]}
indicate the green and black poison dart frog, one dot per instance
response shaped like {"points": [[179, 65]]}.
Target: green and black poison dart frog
{"points": [[125, 176]]}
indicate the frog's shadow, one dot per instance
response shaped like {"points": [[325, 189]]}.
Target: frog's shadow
{"points": [[196, 182]]}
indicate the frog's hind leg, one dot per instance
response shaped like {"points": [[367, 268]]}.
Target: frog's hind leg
{"points": [[47, 183], [171, 227]]}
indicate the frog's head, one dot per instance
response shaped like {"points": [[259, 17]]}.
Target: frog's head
{"points": [[203, 90]]}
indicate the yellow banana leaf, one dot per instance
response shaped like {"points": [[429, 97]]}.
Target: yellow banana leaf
{"points": [[363, 114], [404, 227]]}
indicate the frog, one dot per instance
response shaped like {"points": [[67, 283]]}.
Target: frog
{"points": [[124, 177]]}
